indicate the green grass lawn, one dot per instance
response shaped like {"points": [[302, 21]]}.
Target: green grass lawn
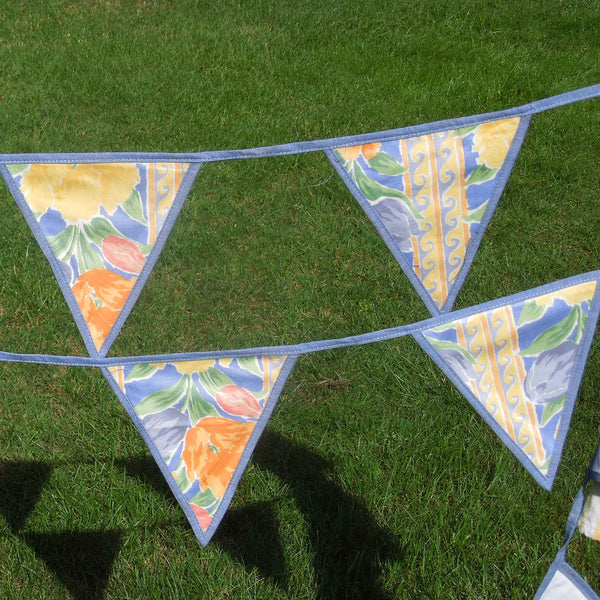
{"points": [[375, 478]]}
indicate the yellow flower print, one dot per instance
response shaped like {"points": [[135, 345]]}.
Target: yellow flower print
{"points": [[188, 366], [369, 151], [492, 141], [576, 294], [78, 191], [194, 366]]}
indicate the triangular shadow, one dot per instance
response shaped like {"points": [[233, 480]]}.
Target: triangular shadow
{"points": [[347, 544], [82, 560], [237, 535], [21, 485], [146, 471]]}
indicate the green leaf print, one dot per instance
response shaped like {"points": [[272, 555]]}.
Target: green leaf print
{"points": [[582, 319], [180, 476], [204, 499], [63, 244], [531, 312], [16, 169], [196, 405], [161, 399], [252, 364], [374, 190], [141, 371], [98, 229], [133, 207], [213, 380], [553, 336], [386, 164], [87, 258], [447, 345], [462, 131], [551, 409], [480, 174], [477, 215]]}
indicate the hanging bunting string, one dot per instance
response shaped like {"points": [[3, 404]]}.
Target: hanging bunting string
{"points": [[531, 108]]}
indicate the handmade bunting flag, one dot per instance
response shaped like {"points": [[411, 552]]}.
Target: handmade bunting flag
{"points": [[519, 362], [201, 420], [432, 196], [564, 583], [589, 522], [100, 225]]}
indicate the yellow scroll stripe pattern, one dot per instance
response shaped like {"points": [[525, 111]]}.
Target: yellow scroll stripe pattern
{"points": [[492, 341]]}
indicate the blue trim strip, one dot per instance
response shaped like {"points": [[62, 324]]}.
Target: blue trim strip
{"points": [[180, 198], [499, 185], [575, 514], [318, 346], [54, 262], [205, 536], [383, 232], [547, 480], [258, 431], [310, 146], [473, 244], [576, 579]]}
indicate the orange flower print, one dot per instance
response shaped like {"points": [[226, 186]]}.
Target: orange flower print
{"points": [[212, 451], [101, 294], [369, 151]]}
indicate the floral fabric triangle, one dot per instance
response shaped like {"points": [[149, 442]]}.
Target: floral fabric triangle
{"points": [[519, 363], [201, 420], [564, 583], [432, 196], [102, 226]]}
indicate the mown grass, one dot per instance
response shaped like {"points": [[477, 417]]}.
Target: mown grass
{"points": [[374, 478]]}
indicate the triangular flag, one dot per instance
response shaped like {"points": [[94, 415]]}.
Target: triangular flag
{"points": [[102, 227], [589, 520], [519, 362], [432, 196], [562, 582], [201, 420]]}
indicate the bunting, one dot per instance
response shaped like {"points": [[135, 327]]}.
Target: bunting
{"points": [[519, 363], [564, 583], [430, 190], [201, 419], [101, 226], [432, 196], [589, 523]]}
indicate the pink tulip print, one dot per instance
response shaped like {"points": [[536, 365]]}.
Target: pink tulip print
{"points": [[239, 402], [123, 254]]}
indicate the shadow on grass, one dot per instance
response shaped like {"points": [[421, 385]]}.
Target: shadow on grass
{"points": [[82, 560], [21, 485], [348, 546], [248, 534]]}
